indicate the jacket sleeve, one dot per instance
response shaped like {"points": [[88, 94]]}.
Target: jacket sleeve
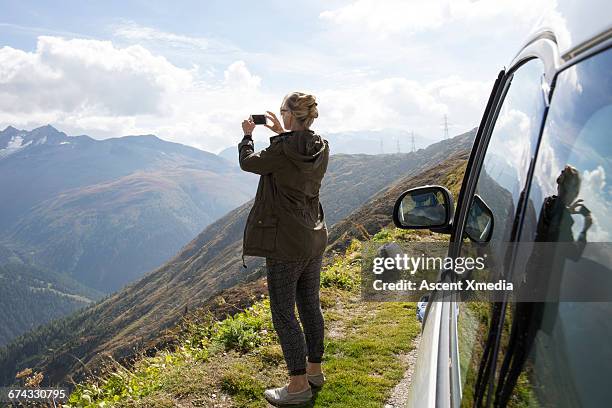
{"points": [[263, 162], [326, 162]]}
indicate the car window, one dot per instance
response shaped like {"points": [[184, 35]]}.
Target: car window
{"points": [[558, 354], [501, 181]]}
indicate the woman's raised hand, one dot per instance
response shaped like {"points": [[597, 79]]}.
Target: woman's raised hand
{"points": [[576, 206], [248, 126], [277, 127]]}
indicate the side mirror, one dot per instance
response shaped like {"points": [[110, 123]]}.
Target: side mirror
{"points": [[424, 207], [479, 224]]}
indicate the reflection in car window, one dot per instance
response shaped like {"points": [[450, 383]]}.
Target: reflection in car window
{"points": [[500, 183], [559, 353], [425, 209]]}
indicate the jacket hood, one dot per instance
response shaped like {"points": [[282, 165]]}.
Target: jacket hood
{"points": [[304, 148]]}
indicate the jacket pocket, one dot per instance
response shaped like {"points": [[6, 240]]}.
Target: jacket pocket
{"points": [[262, 233]]}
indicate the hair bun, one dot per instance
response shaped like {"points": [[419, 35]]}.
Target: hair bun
{"points": [[303, 106], [313, 112]]}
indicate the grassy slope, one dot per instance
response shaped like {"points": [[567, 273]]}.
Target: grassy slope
{"points": [[229, 363]]}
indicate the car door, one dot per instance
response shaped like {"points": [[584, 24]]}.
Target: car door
{"points": [[498, 179], [556, 351]]}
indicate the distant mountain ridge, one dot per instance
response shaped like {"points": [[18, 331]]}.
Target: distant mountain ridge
{"points": [[136, 315], [385, 141], [13, 140], [106, 211]]}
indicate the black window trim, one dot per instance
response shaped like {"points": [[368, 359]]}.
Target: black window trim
{"points": [[473, 169], [487, 366], [447, 392]]}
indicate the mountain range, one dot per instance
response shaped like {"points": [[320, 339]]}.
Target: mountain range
{"points": [[385, 141], [105, 211]]}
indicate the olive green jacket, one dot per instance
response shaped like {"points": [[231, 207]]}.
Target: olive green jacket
{"points": [[286, 220]]}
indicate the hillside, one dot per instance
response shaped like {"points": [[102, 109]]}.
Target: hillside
{"points": [[226, 353], [31, 296], [368, 220], [135, 316], [382, 171], [27, 288], [106, 211], [357, 142], [110, 233]]}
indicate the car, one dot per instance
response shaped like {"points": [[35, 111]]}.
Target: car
{"points": [[539, 173], [421, 306]]}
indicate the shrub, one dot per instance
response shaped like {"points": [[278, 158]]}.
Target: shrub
{"points": [[123, 384], [246, 330], [342, 274]]}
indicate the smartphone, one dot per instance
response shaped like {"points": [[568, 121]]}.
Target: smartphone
{"points": [[259, 119]]}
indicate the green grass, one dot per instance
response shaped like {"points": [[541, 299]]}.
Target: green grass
{"points": [[343, 273], [245, 388], [126, 384], [362, 368], [402, 235]]}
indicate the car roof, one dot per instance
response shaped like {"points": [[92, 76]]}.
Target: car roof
{"points": [[574, 24]]}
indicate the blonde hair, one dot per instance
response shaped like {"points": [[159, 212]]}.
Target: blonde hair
{"points": [[302, 106]]}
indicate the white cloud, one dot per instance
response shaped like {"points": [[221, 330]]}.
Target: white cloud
{"points": [[405, 104], [238, 76], [86, 75], [154, 38], [135, 32], [400, 16], [595, 192], [95, 87], [392, 17], [433, 39], [103, 89]]}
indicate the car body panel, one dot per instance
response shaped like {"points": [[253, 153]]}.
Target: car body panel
{"points": [[572, 29], [423, 388], [575, 24]]}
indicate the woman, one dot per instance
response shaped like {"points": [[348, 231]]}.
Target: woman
{"points": [[286, 225]]}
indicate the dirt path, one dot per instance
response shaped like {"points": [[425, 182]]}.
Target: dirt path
{"points": [[399, 397]]}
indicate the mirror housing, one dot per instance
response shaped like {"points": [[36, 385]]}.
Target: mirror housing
{"points": [[480, 221], [426, 207]]}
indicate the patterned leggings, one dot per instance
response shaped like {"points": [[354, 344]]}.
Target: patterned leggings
{"points": [[291, 283]]}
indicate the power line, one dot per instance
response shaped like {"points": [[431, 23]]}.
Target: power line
{"points": [[445, 127]]}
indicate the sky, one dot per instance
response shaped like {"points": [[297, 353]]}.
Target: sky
{"points": [[191, 71]]}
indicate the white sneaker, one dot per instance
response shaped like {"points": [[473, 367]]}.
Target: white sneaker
{"points": [[316, 380], [280, 396]]}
